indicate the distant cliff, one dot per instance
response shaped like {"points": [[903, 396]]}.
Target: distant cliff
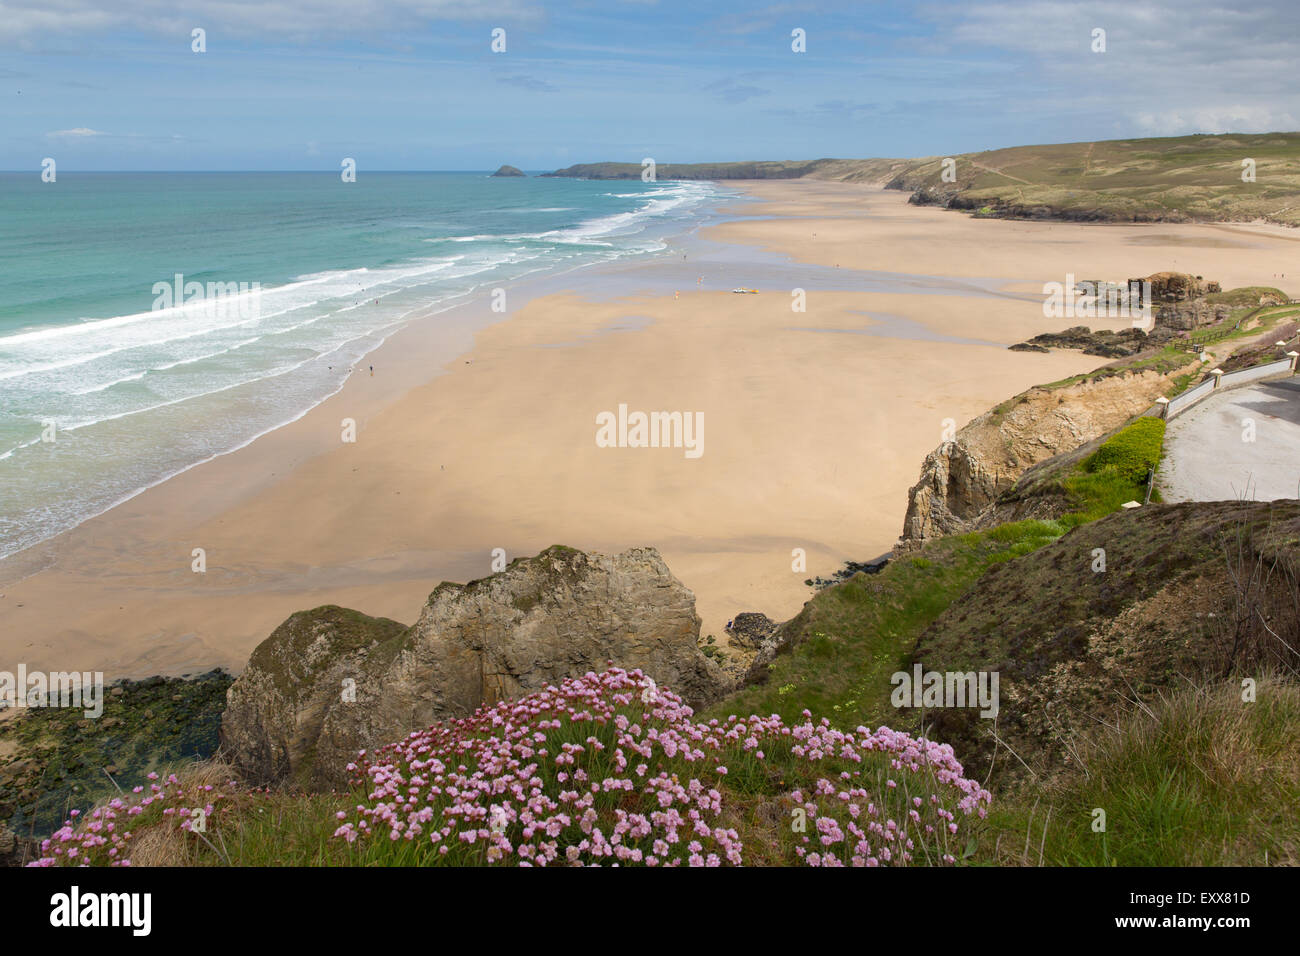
{"points": [[1171, 179], [753, 170], [846, 170]]}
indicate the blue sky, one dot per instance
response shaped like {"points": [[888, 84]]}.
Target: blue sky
{"points": [[413, 84]]}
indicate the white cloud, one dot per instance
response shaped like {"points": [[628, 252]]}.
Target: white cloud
{"points": [[76, 133], [1238, 118]]}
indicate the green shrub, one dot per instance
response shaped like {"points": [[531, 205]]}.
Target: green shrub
{"points": [[1131, 451]]}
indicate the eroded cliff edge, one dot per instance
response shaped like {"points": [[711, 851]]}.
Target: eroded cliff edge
{"points": [[962, 479]]}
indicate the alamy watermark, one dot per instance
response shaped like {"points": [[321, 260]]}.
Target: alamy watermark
{"points": [[221, 299], [938, 689], [651, 430], [102, 909], [26, 688]]}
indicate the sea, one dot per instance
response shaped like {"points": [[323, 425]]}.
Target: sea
{"points": [[152, 321]]}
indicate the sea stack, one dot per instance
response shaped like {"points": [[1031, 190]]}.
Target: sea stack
{"points": [[508, 171]]}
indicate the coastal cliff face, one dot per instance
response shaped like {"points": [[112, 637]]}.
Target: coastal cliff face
{"points": [[962, 479], [331, 682]]}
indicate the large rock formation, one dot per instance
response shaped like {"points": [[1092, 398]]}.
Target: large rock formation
{"points": [[331, 682], [1180, 300], [509, 171], [1175, 286], [962, 478]]}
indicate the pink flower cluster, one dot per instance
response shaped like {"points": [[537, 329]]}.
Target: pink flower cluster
{"points": [[905, 812], [610, 769], [578, 773], [103, 836]]}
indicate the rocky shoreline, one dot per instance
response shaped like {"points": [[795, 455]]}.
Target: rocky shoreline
{"points": [[52, 759]]}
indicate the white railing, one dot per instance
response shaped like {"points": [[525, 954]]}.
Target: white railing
{"points": [[1188, 398], [1242, 376]]}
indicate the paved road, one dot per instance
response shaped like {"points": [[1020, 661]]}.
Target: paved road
{"points": [[1208, 459]]}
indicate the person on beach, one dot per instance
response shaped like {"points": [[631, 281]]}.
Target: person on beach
{"points": [[372, 371]]}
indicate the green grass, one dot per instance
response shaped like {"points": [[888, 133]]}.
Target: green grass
{"points": [[1200, 778], [1131, 452], [1244, 297], [1244, 323], [1207, 336], [1164, 361], [1115, 473], [851, 637]]}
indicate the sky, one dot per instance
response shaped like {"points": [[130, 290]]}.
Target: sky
{"points": [[416, 85]]}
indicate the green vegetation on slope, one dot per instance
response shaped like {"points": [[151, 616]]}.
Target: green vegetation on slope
{"points": [[1198, 777], [851, 637], [1173, 179], [1131, 452]]}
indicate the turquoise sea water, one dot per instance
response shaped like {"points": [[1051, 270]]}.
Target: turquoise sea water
{"points": [[300, 274]]}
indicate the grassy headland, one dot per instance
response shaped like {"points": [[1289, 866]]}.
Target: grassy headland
{"points": [[1194, 178]]}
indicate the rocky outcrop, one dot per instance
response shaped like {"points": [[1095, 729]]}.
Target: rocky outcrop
{"points": [[956, 484], [1175, 286], [963, 478], [509, 171], [1184, 316], [751, 629], [1104, 343], [10, 847], [1180, 300], [277, 708], [329, 682]]}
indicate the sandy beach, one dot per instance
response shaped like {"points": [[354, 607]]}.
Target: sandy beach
{"points": [[815, 425]]}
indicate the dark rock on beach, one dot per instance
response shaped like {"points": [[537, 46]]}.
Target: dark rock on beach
{"points": [[850, 568], [751, 629], [1104, 343]]}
